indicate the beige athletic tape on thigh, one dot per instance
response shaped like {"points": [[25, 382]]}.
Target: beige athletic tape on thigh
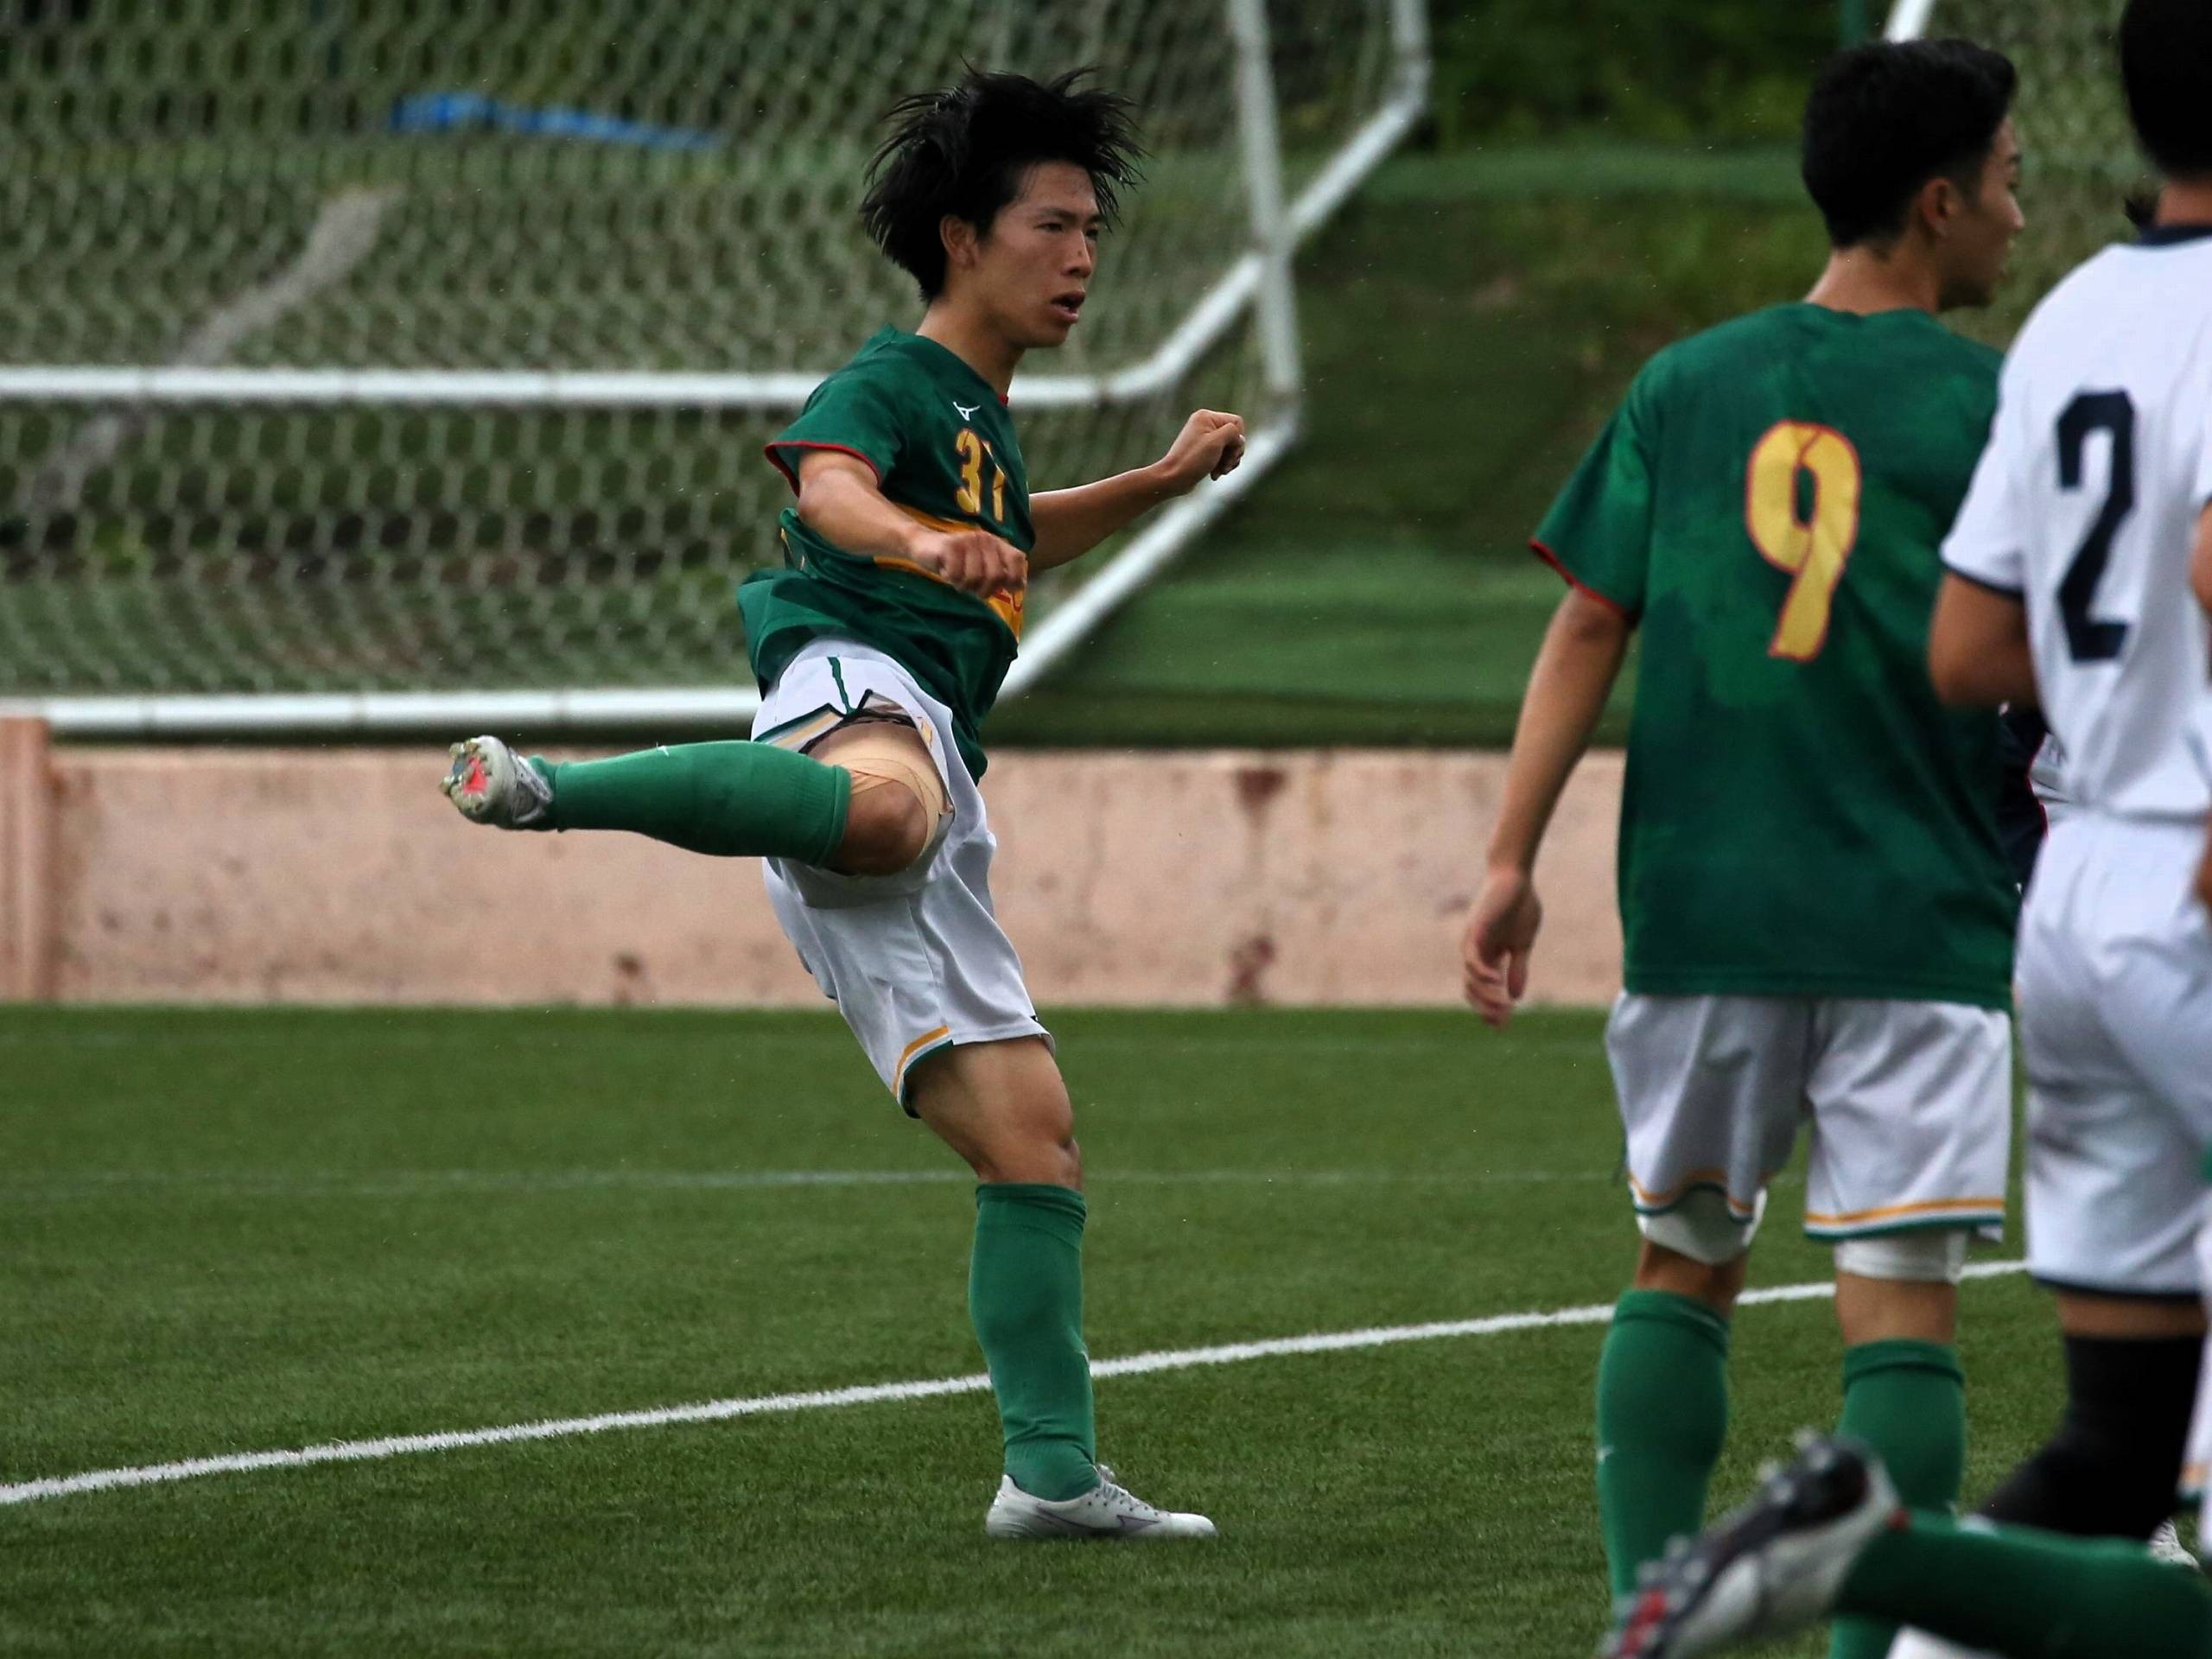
{"points": [[878, 752]]}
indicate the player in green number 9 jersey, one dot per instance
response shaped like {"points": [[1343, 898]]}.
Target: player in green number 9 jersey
{"points": [[1817, 910], [880, 645]]}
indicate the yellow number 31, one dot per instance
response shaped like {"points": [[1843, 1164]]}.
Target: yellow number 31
{"points": [[1812, 547]]}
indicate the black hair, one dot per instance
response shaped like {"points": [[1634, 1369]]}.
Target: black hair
{"points": [[2165, 60], [963, 152], [1887, 116]]}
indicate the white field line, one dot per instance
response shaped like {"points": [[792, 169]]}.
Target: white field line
{"points": [[429, 1183], [716, 1411]]}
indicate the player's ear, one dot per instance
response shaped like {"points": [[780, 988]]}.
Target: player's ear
{"points": [[1938, 205], [960, 240]]}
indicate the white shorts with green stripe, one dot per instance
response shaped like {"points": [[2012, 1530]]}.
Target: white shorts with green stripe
{"points": [[1909, 1105], [915, 962]]}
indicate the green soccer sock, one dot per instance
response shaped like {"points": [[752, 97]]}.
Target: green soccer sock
{"points": [[1662, 1413], [1025, 1294], [2031, 1595], [731, 799], [1907, 1401]]}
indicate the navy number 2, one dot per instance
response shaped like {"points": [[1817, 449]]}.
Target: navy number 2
{"points": [[2092, 639]]}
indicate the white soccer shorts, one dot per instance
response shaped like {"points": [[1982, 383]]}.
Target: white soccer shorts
{"points": [[1909, 1104], [916, 960], [2115, 986]]}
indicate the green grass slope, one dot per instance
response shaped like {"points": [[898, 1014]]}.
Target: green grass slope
{"points": [[1468, 325]]}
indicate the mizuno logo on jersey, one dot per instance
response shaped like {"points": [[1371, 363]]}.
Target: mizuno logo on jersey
{"points": [[967, 411]]}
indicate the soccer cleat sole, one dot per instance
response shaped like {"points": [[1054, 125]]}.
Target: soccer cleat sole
{"points": [[467, 781], [1821, 1488]]}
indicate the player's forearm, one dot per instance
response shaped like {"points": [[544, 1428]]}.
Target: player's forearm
{"points": [[1070, 522], [848, 514], [1978, 652], [1573, 677]]}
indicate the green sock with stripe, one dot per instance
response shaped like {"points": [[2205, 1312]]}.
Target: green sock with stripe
{"points": [[1025, 1294], [729, 800], [1907, 1401], [1662, 1415]]}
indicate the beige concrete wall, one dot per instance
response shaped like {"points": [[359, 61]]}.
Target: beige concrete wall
{"points": [[333, 875]]}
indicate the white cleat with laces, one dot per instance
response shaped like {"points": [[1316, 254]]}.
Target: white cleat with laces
{"points": [[491, 784], [1106, 1511]]}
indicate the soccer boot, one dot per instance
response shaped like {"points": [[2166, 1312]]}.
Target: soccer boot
{"points": [[2166, 1545], [1918, 1644], [1106, 1511], [1773, 1566], [491, 784]]}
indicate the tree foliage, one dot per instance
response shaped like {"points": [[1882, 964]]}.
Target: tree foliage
{"points": [[1715, 70]]}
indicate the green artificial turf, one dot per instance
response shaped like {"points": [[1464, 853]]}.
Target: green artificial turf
{"points": [[229, 1231]]}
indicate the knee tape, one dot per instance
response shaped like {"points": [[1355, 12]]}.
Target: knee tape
{"points": [[1935, 1256]]}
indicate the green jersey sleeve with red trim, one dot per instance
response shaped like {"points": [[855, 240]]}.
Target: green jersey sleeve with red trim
{"points": [[1597, 534], [856, 411]]}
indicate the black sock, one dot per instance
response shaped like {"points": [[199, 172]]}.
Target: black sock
{"points": [[2111, 1467]]}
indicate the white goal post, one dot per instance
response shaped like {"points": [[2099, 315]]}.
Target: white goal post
{"points": [[301, 523]]}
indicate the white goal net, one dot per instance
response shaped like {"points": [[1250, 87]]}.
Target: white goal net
{"points": [[2080, 162], [332, 333]]}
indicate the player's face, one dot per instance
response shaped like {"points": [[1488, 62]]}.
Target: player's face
{"points": [[1982, 232], [1034, 270]]}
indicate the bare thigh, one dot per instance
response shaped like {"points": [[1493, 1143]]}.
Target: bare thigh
{"points": [[1002, 1107]]}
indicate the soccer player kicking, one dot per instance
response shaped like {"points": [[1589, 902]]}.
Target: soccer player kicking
{"points": [[1818, 913], [880, 646], [2070, 582]]}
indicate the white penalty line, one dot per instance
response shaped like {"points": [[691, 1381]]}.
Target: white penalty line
{"points": [[716, 1411], [92, 1185]]}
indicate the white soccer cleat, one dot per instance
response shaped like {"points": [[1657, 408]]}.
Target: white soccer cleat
{"points": [[1918, 1644], [491, 784], [1773, 1566], [2166, 1546], [1106, 1511]]}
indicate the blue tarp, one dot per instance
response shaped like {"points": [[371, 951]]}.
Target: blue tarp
{"points": [[461, 111]]}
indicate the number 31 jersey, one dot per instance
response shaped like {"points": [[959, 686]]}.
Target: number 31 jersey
{"points": [[1801, 816], [943, 449], [2085, 507]]}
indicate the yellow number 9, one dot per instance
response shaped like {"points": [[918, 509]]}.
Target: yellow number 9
{"points": [[1814, 548]]}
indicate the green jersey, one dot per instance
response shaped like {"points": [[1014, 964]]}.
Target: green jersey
{"points": [[943, 449], [1802, 817]]}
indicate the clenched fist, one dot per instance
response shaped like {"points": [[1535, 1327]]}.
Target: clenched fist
{"points": [[1208, 446], [974, 561]]}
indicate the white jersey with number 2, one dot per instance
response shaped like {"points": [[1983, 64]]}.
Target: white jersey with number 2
{"points": [[2085, 506]]}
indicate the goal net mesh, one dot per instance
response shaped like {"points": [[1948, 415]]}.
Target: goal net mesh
{"points": [[521, 185], [2081, 164]]}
